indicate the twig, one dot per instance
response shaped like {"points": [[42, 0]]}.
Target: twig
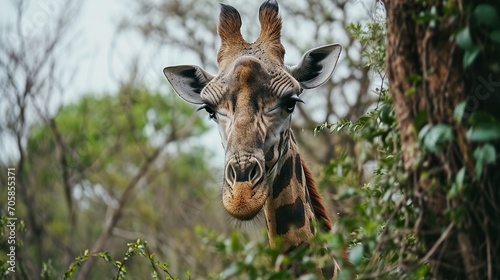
{"points": [[442, 238]]}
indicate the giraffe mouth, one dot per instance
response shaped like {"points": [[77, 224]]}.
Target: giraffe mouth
{"points": [[244, 201], [245, 190]]}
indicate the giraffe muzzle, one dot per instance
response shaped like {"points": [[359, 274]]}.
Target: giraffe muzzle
{"points": [[245, 191]]}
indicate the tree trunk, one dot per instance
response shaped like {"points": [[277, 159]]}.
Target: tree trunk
{"points": [[427, 81]]}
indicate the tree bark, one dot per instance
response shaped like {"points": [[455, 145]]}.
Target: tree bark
{"points": [[427, 81]]}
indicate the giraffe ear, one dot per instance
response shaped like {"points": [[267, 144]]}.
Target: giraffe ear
{"points": [[188, 81], [316, 66]]}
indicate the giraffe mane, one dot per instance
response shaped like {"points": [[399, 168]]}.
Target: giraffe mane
{"points": [[319, 208]]}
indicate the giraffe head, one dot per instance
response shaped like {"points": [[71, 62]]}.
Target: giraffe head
{"points": [[251, 99]]}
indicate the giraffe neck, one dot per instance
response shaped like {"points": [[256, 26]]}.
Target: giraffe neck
{"points": [[294, 202]]}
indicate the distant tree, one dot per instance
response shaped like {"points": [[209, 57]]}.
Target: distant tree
{"points": [[33, 80], [96, 174], [116, 154], [128, 174]]}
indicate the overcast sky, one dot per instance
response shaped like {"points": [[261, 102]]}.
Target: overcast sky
{"points": [[96, 25]]}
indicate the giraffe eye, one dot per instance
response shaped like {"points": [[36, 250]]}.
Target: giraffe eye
{"points": [[289, 104], [212, 114]]}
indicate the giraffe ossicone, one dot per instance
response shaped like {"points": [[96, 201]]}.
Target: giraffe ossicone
{"points": [[252, 98]]}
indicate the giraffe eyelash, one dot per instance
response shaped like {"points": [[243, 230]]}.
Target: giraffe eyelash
{"points": [[212, 113], [289, 103]]}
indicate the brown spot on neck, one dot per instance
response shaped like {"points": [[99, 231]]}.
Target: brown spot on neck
{"points": [[290, 215], [282, 180]]}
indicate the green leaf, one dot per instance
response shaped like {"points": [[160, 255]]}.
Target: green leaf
{"points": [[495, 35], [458, 113], [232, 270], [484, 154], [484, 133], [385, 115], [356, 254], [410, 91], [486, 14], [423, 132], [106, 257], [460, 176], [458, 185], [469, 56], [435, 135], [164, 266], [464, 40], [414, 78], [454, 191]]}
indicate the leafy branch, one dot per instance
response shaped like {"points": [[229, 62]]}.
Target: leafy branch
{"points": [[138, 248]]}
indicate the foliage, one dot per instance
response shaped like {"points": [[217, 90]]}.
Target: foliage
{"points": [[104, 151], [138, 248], [371, 36], [482, 32], [377, 227]]}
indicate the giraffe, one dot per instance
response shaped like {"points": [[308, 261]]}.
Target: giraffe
{"points": [[252, 98]]}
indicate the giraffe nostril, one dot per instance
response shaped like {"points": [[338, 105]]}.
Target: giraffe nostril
{"points": [[230, 174], [250, 171], [255, 173]]}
